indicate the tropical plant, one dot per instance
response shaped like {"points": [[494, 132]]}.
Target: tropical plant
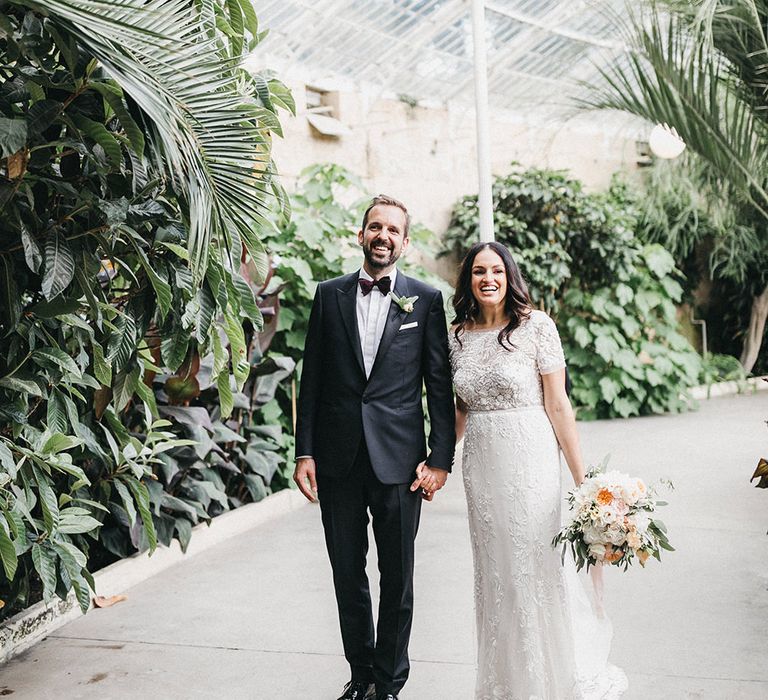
{"points": [[702, 67], [134, 161], [614, 296]]}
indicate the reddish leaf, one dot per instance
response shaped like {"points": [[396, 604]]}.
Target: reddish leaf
{"points": [[101, 601]]}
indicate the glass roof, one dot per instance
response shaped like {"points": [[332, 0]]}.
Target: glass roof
{"points": [[538, 50]]}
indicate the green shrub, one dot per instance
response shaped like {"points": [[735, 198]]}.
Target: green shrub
{"points": [[612, 296], [103, 323]]}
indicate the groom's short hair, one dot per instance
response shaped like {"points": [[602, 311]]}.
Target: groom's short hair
{"points": [[390, 202]]}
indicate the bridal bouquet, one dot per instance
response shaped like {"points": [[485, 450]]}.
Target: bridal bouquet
{"points": [[612, 521]]}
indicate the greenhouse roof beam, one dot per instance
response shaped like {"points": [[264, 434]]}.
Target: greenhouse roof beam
{"points": [[550, 29]]}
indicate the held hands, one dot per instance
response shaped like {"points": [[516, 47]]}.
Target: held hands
{"points": [[305, 472], [429, 480]]}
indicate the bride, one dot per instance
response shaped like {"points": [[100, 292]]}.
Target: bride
{"points": [[538, 636]]}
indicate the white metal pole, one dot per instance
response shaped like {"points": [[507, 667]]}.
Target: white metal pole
{"points": [[485, 200]]}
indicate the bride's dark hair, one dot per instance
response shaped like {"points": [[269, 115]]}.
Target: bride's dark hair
{"points": [[517, 303]]}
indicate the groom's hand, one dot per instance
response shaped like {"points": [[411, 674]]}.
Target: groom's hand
{"points": [[305, 472], [429, 479]]}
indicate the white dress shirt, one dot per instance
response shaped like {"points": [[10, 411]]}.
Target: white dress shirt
{"points": [[372, 311]]}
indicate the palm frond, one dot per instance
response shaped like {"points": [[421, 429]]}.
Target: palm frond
{"points": [[212, 140], [668, 76]]}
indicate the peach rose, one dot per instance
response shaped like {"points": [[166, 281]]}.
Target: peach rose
{"points": [[604, 497], [612, 555]]}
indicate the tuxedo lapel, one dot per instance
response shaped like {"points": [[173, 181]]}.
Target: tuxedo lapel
{"points": [[394, 319], [346, 296]]}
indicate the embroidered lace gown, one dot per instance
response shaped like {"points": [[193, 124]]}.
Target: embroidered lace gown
{"points": [[537, 634]]}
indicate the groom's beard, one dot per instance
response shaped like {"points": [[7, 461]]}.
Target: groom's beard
{"points": [[379, 262]]}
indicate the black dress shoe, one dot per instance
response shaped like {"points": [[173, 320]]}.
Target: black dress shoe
{"points": [[358, 690]]}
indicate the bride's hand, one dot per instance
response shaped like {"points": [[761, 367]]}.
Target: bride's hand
{"points": [[429, 479]]}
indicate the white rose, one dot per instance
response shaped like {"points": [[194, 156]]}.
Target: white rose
{"points": [[593, 534], [616, 535]]}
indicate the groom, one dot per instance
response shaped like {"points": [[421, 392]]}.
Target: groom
{"points": [[360, 439]]}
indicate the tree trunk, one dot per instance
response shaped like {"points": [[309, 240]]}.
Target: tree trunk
{"points": [[754, 337]]}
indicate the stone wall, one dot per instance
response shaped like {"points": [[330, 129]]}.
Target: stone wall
{"points": [[425, 155]]}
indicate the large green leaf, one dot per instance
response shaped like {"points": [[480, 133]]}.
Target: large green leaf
{"points": [[113, 95], [101, 135], [48, 501], [32, 253], [59, 266], [58, 358], [41, 115], [141, 497], [13, 136], [161, 286], [44, 561], [174, 347], [10, 302], [26, 386], [7, 550], [7, 462]]}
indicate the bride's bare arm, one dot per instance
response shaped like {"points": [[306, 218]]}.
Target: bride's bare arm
{"points": [[461, 419], [558, 408]]}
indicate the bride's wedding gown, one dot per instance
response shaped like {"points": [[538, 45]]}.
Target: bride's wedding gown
{"points": [[538, 635]]}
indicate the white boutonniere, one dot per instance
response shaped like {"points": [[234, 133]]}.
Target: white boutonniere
{"points": [[405, 303]]}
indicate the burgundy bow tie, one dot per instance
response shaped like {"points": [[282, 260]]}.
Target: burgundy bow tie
{"points": [[384, 285]]}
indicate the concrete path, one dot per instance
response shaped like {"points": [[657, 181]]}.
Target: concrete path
{"points": [[254, 617]]}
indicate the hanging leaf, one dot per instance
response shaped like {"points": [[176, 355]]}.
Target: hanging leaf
{"points": [[48, 502], [10, 302], [7, 550], [184, 531], [101, 135], [13, 136], [225, 395], [58, 358], [161, 286], [122, 341], [113, 95], [101, 368], [41, 115], [44, 562], [24, 386], [7, 462], [207, 306], [240, 366], [59, 266], [174, 348], [32, 253], [56, 413], [141, 497]]}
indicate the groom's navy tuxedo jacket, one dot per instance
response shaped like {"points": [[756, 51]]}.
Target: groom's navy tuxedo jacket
{"points": [[338, 406]]}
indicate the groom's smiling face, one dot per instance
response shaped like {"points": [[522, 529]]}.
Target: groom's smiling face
{"points": [[383, 239]]}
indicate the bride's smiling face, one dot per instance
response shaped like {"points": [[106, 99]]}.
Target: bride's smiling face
{"points": [[489, 278]]}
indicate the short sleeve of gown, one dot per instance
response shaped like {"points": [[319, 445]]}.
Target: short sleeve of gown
{"points": [[549, 349]]}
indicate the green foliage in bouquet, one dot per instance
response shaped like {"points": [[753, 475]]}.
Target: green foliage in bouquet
{"points": [[123, 251], [612, 295]]}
